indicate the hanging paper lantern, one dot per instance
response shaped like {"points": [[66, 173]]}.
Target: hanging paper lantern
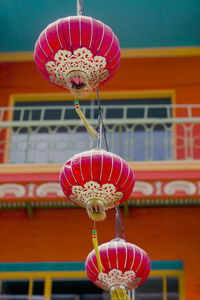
{"points": [[77, 53], [124, 267], [98, 180]]}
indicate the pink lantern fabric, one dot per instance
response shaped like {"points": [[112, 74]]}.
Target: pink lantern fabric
{"points": [[77, 44], [123, 264], [99, 176]]}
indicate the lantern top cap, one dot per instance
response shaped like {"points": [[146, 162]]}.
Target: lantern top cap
{"points": [[118, 240]]}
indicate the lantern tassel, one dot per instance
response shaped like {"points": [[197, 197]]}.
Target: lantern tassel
{"points": [[90, 129], [119, 293], [96, 248]]}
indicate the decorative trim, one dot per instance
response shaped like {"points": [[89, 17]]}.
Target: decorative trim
{"points": [[12, 189], [164, 202], [92, 190], [144, 187], [80, 60], [49, 188], [117, 277], [189, 188], [180, 188], [125, 53], [7, 204], [146, 193]]}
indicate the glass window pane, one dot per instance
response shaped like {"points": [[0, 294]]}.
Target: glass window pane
{"points": [[76, 290], [14, 289], [151, 289], [38, 287], [74, 286], [172, 288]]}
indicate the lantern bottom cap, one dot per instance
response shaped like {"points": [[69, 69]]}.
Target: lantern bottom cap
{"points": [[77, 82], [96, 210], [118, 292], [117, 287]]}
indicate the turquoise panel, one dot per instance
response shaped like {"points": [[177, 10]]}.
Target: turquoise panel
{"points": [[39, 267], [143, 23], [167, 265], [76, 266]]}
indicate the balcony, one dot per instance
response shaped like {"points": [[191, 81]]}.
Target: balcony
{"points": [[161, 143], [52, 134]]}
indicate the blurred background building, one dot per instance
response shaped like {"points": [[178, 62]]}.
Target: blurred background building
{"points": [[152, 119]]}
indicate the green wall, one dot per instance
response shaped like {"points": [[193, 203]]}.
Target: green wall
{"points": [[137, 23]]}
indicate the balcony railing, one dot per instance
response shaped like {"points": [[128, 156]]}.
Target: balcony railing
{"points": [[137, 133]]}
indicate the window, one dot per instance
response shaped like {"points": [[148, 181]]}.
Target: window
{"points": [[68, 281], [134, 130], [12, 288], [154, 288]]}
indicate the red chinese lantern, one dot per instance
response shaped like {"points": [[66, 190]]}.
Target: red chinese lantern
{"points": [[77, 53], [124, 266], [98, 180]]}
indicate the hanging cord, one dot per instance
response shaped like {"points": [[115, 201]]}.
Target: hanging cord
{"points": [[101, 129], [119, 224], [80, 8]]}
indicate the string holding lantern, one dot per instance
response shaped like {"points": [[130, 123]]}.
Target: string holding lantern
{"points": [[97, 180], [117, 266], [78, 53]]}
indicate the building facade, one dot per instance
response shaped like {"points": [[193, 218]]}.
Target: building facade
{"points": [[152, 119]]}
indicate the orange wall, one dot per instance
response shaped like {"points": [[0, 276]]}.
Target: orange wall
{"points": [[65, 235], [179, 73]]}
